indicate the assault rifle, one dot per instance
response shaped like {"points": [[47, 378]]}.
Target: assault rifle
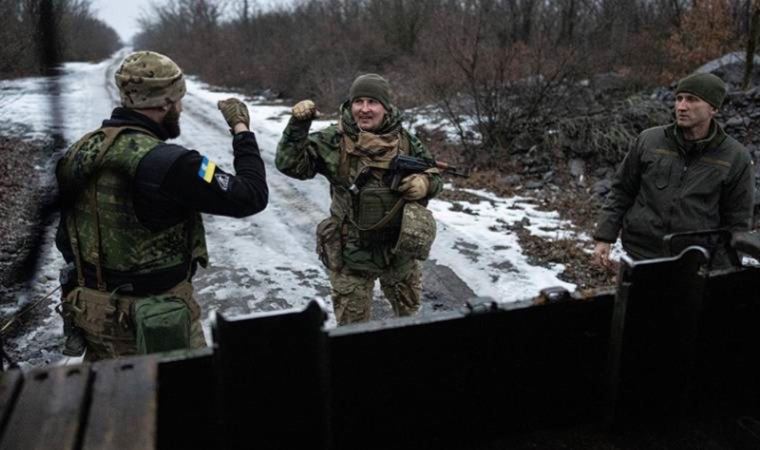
{"points": [[402, 166]]}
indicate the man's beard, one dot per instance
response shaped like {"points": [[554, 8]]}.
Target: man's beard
{"points": [[171, 123]]}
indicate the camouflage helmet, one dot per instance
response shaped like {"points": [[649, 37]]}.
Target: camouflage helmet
{"points": [[418, 230], [149, 80]]}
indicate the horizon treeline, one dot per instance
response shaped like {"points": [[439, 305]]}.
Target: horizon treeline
{"points": [[77, 35], [313, 48], [498, 63]]}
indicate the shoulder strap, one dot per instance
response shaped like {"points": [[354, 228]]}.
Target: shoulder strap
{"points": [[73, 230], [346, 144], [404, 146]]}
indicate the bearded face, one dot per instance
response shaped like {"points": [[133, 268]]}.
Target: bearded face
{"points": [[171, 121]]}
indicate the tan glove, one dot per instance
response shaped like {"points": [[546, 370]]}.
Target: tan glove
{"points": [[305, 110], [234, 112], [415, 186]]}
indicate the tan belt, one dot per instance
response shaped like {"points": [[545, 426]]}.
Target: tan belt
{"points": [[114, 302]]}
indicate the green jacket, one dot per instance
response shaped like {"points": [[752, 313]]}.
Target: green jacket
{"points": [[667, 185], [94, 170], [303, 155]]}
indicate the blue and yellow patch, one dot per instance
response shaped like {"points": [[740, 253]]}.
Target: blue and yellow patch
{"points": [[207, 170]]}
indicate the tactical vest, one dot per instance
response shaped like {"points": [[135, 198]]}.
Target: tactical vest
{"points": [[374, 209], [97, 173]]}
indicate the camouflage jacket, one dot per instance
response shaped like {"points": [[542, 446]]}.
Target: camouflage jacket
{"points": [[667, 185], [303, 155]]}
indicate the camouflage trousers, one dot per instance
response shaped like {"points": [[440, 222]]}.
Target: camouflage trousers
{"points": [[352, 292], [106, 324]]}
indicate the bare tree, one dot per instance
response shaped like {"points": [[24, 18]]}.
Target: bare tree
{"points": [[753, 36], [400, 21]]}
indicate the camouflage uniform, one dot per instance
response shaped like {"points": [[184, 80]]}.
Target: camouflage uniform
{"points": [[357, 258], [130, 234]]}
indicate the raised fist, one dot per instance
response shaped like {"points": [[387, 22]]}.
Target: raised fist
{"points": [[234, 112], [305, 110]]}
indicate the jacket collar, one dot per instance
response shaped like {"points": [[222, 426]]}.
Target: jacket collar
{"points": [[714, 138], [121, 117]]}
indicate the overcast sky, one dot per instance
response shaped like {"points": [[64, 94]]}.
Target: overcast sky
{"points": [[122, 15]]}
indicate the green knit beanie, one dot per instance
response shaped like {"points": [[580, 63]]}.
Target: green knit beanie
{"points": [[706, 86], [371, 85]]}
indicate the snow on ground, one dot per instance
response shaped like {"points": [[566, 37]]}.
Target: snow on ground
{"points": [[267, 262], [434, 119], [492, 262], [725, 60]]}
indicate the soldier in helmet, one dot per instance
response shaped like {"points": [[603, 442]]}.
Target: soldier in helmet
{"points": [[359, 242], [131, 222]]}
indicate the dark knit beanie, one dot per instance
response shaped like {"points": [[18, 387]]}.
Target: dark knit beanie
{"points": [[371, 85], [706, 86]]}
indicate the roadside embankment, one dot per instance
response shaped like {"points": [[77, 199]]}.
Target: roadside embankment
{"points": [[24, 194]]}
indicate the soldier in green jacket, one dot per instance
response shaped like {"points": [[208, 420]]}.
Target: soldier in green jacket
{"points": [[358, 242], [686, 176], [130, 224]]}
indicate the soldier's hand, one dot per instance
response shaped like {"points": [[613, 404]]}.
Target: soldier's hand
{"points": [[415, 186], [234, 112], [305, 110], [601, 256]]}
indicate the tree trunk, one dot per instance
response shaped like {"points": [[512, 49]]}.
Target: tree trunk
{"points": [[752, 38]]}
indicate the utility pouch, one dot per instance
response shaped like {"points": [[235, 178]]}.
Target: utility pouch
{"points": [[378, 215], [418, 230], [162, 323], [329, 243], [98, 314]]}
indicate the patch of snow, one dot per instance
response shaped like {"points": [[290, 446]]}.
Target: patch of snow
{"points": [[435, 120], [726, 60], [476, 245]]}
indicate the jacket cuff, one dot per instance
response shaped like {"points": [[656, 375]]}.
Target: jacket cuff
{"points": [[297, 130], [606, 233]]}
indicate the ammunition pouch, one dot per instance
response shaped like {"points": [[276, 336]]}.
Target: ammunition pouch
{"points": [[378, 215], [417, 233], [330, 243], [157, 323], [100, 315]]}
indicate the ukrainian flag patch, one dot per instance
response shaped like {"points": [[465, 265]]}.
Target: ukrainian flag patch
{"points": [[207, 170]]}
